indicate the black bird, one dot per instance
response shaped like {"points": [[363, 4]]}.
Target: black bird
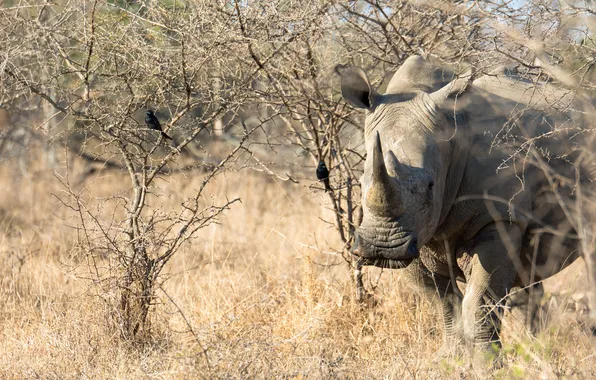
{"points": [[152, 122], [323, 174]]}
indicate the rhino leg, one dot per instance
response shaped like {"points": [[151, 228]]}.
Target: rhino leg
{"points": [[534, 314], [433, 284], [525, 306], [451, 303], [490, 276]]}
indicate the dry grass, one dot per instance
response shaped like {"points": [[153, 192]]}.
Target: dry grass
{"points": [[262, 293]]}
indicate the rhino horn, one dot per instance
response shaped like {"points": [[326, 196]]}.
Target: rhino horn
{"points": [[380, 174], [382, 197]]}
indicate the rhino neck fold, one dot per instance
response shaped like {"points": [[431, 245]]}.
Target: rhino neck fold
{"points": [[459, 147]]}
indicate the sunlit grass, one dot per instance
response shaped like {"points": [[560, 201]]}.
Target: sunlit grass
{"points": [[259, 295]]}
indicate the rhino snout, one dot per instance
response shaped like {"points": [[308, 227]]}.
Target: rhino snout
{"points": [[369, 246]]}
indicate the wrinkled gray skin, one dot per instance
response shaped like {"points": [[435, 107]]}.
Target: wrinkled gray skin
{"points": [[435, 202]]}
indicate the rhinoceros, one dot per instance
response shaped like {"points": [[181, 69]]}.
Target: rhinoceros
{"points": [[462, 181]]}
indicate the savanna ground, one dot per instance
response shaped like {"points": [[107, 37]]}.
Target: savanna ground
{"points": [[259, 295]]}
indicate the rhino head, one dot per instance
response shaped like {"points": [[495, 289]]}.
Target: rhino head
{"points": [[409, 143]]}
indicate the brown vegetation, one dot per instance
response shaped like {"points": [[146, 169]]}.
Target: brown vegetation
{"points": [[102, 273], [263, 294]]}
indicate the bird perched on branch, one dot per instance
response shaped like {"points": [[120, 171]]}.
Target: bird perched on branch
{"points": [[323, 175], [152, 122]]}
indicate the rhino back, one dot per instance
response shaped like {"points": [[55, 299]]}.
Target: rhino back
{"points": [[524, 140]]}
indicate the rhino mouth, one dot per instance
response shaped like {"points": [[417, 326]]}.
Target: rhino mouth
{"points": [[384, 263], [386, 250]]}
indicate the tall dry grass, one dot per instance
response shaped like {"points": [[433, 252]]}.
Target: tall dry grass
{"points": [[260, 295]]}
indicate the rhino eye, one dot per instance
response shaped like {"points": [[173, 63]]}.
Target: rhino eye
{"points": [[431, 186]]}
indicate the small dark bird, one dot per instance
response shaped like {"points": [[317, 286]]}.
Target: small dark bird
{"points": [[152, 122], [323, 174]]}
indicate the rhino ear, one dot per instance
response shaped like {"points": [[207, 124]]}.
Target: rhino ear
{"points": [[356, 88], [453, 88]]}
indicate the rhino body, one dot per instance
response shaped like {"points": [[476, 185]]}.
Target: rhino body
{"points": [[462, 180]]}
